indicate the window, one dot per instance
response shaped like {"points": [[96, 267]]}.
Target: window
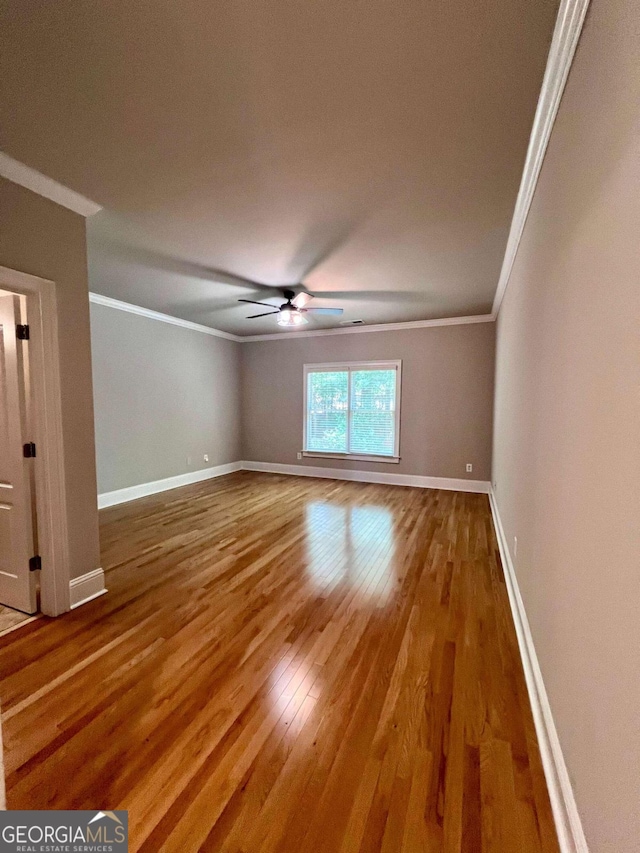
{"points": [[352, 410]]}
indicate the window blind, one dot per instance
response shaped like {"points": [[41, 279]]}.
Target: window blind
{"points": [[351, 409], [373, 399], [327, 411]]}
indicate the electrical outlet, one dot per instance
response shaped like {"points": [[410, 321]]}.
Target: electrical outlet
{"points": [[299, 455], [206, 457], [469, 467], [515, 547], [189, 461]]}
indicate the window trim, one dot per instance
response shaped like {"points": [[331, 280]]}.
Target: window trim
{"points": [[350, 366]]}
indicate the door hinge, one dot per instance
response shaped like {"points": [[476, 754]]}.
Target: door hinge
{"points": [[22, 332], [29, 450], [35, 563]]}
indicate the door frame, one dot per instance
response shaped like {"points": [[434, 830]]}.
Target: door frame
{"points": [[44, 372]]}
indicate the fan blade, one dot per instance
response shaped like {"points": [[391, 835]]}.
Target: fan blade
{"points": [[253, 302], [327, 311], [268, 314], [302, 299]]}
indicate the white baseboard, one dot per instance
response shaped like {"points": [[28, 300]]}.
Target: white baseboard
{"points": [[132, 493], [460, 485], [86, 588], [565, 811]]}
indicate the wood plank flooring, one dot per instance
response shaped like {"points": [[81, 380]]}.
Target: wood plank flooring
{"points": [[286, 664]]}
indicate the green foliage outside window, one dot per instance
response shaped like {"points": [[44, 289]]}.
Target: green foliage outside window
{"points": [[372, 411]]}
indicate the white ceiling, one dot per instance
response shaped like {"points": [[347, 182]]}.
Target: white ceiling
{"points": [[371, 150]]}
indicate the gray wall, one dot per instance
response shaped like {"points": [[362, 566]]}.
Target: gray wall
{"points": [[447, 393], [162, 393], [44, 239], [567, 424]]}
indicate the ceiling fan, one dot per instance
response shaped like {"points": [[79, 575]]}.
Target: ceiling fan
{"points": [[292, 312]]}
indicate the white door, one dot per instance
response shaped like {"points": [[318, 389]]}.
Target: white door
{"points": [[17, 582]]}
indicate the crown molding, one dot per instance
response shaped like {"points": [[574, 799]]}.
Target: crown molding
{"points": [[108, 302], [566, 34], [29, 178], [380, 327]]}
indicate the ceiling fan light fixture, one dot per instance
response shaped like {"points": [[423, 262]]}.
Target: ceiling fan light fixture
{"points": [[294, 311], [291, 317]]}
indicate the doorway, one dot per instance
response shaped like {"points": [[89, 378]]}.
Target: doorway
{"points": [[34, 571], [19, 560]]}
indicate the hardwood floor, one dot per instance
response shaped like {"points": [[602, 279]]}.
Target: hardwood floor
{"points": [[286, 664]]}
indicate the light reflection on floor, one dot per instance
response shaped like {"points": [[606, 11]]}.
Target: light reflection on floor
{"points": [[353, 545], [350, 551], [294, 689]]}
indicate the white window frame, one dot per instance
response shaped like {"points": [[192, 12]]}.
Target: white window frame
{"points": [[351, 366]]}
